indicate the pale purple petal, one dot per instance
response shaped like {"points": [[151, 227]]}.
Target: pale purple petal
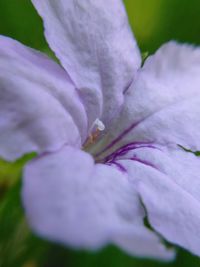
{"points": [[70, 200], [163, 104], [168, 181], [39, 108], [95, 45]]}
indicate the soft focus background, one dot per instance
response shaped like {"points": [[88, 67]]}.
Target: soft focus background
{"points": [[154, 22]]}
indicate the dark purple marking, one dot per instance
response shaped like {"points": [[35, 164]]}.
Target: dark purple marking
{"points": [[145, 162], [123, 169], [124, 133], [119, 166], [116, 140], [126, 148], [121, 153]]}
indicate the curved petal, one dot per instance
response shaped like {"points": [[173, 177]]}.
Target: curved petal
{"points": [[168, 181], [39, 108], [77, 203], [163, 105], [95, 45]]}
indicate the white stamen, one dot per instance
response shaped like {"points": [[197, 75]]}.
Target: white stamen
{"points": [[99, 124]]}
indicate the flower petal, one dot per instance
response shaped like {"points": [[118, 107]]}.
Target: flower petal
{"points": [[95, 45], [163, 104], [70, 200], [168, 181], [38, 104]]}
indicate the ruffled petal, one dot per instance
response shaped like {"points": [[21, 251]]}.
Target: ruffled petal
{"points": [[168, 181], [94, 43], [163, 104], [70, 200], [39, 108]]}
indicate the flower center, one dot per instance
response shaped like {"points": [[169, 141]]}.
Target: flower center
{"points": [[113, 154]]}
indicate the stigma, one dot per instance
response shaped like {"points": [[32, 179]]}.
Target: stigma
{"points": [[98, 124], [97, 127]]}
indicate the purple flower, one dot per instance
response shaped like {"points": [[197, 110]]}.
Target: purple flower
{"points": [[107, 132]]}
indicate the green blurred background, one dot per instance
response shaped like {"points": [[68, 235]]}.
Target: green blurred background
{"points": [[154, 22]]}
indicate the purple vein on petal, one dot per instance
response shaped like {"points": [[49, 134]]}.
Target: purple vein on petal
{"points": [[119, 166], [121, 154], [145, 162], [123, 169], [116, 140], [131, 146], [128, 147]]}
